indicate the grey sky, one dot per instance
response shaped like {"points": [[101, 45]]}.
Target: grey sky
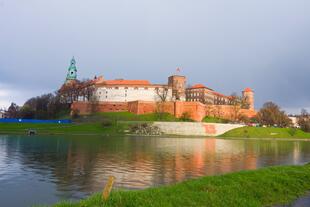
{"points": [[226, 45]]}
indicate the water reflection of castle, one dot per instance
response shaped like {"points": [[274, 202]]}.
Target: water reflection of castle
{"points": [[166, 161]]}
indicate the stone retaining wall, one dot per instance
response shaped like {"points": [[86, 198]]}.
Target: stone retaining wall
{"points": [[195, 128]]}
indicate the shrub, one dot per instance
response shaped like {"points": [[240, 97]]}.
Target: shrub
{"points": [[186, 117], [106, 123], [145, 129], [75, 113], [244, 119]]}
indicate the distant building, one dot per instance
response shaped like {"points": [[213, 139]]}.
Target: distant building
{"points": [[206, 95], [131, 90], [2, 114], [121, 90], [294, 121]]}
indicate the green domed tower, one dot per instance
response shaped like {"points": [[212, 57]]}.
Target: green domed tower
{"points": [[72, 71]]}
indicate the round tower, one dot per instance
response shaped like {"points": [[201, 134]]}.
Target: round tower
{"points": [[248, 94]]}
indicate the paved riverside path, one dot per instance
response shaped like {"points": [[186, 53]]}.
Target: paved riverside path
{"points": [[303, 201]]}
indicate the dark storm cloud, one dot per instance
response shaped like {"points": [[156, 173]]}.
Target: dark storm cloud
{"points": [[227, 45]]}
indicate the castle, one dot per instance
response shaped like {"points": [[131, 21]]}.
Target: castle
{"points": [[141, 96]]}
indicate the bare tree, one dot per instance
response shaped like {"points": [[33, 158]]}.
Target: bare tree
{"points": [[13, 111], [235, 101], [87, 89], [304, 120], [162, 94], [70, 92], [94, 104], [244, 102]]}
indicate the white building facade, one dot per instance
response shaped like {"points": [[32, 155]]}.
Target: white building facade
{"points": [[2, 114], [131, 90]]}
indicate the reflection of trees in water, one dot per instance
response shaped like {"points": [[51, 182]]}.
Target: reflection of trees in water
{"points": [[84, 163], [276, 152]]}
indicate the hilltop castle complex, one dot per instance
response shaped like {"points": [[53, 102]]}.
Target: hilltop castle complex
{"points": [[141, 96]]}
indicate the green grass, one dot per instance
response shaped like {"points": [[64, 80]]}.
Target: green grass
{"points": [[211, 119], [263, 187], [79, 128], [127, 116], [91, 124], [266, 132]]}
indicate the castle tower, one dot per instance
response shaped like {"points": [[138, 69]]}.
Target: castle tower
{"points": [[248, 93], [178, 83], [72, 71]]}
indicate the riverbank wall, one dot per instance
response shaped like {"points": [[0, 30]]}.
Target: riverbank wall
{"points": [[194, 128]]}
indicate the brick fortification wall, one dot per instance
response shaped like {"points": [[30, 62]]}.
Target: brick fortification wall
{"points": [[87, 107], [196, 110]]}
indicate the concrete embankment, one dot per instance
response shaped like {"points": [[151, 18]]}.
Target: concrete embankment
{"points": [[195, 128]]}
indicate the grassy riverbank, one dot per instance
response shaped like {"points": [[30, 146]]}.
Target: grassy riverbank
{"points": [[266, 132], [117, 123], [99, 123], [211, 119], [72, 129], [263, 187]]}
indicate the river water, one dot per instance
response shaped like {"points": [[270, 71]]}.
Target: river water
{"points": [[46, 169]]}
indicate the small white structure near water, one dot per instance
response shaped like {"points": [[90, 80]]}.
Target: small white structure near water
{"points": [[2, 114]]}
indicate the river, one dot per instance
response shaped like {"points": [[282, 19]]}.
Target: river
{"points": [[46, 169]]}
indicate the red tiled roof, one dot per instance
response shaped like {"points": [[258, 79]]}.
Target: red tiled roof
{"points": [[219, 94], [248, 90], [126, 82], [198, 86], [201, 86]]}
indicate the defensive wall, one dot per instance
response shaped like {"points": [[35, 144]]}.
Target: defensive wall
{"points": [[196, 110], [84, 107]]}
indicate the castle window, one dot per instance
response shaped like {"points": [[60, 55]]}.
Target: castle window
{"points": [[116, 87], [146, 88], [136, 88], [126, 87]]}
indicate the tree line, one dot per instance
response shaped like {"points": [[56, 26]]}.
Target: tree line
{"points": [[53, 105], [46, 106]]}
